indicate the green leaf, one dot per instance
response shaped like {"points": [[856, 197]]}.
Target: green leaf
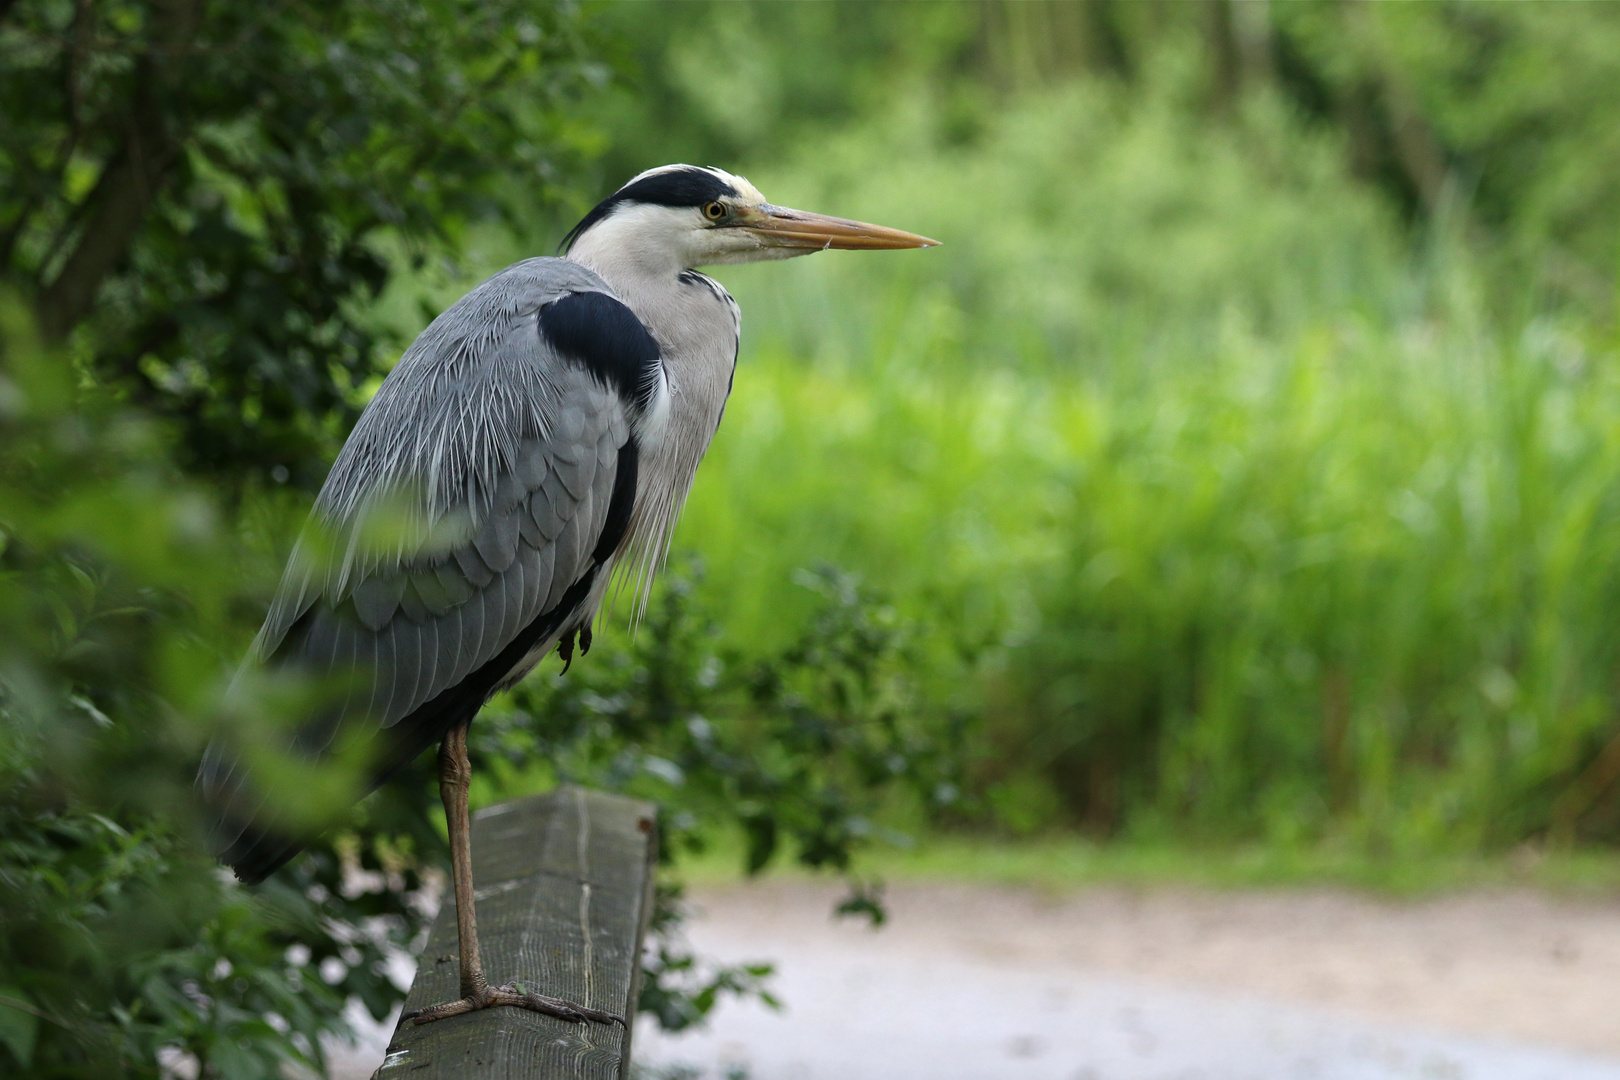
{"points": [[19, 1024]]}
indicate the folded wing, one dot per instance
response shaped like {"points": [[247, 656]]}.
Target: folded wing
{"points": [[475, 506]]}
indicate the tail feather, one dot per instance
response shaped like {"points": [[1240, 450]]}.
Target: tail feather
{"points": [[255, 854], [252, 835], [242, 830], [249, 832]]}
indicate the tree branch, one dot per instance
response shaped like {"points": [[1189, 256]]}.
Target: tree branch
{"points": [[128, 186], [73, 57]]}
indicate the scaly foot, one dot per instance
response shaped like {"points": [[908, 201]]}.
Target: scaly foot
{"points": [[514, 995]]}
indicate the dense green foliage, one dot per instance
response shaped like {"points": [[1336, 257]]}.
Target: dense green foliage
{"points": [[119, 938], [1248, 448], [196, 190], [193, 202], [1241, 469]]}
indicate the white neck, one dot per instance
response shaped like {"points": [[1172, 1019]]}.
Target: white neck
{"points": [[641, 253], [638, 243]]}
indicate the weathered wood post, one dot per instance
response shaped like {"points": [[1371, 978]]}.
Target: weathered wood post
{"points": [[564, 889]]}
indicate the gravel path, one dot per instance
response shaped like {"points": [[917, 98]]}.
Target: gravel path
{"points": [[987, 983], [984, 983]]}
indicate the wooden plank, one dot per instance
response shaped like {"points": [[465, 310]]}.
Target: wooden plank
{"points": [[563, 884]]}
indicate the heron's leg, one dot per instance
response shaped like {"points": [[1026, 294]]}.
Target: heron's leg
{"points": [[455, 778]]}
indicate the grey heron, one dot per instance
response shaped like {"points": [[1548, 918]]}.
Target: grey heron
{"points": [[543, 431]]}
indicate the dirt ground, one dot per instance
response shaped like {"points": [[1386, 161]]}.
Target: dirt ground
{"points": [[1507, 965], [976, 982]]}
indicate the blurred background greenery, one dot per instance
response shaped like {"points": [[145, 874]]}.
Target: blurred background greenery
{"points": [[1243, 473]]}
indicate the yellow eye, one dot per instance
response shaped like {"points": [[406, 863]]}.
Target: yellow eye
{"points": [[714, 211]]}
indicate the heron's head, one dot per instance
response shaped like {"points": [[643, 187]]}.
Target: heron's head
{"points": [[678, 217]]}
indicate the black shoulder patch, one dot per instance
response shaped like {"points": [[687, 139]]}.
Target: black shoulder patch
{"points": [[597, 331], [686, 185]]}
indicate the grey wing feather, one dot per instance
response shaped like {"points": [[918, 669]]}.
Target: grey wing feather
{"points": [[457, 585], [547, 519], [496, 543], [545, 570], [429, 585], [472, 568], [464, 505], [527, 529], [565, 551], [410, 604], [377, 598]]}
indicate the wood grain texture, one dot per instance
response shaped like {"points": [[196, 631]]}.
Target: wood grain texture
{"points": [[563, 884]]}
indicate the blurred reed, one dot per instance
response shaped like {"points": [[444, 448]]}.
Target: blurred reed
{"points": [[1232, 509]]}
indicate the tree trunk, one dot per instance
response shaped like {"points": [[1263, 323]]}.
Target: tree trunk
{"points": [[131, 181]]}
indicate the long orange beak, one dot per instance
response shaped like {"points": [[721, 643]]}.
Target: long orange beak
{"points": [[777, 226]]}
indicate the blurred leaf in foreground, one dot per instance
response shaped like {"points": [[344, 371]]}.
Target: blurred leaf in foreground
{"points": [[122, 944]]}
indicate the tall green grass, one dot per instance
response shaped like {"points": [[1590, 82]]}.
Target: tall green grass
{"points": [[1368, 578], [1234, 510]]}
